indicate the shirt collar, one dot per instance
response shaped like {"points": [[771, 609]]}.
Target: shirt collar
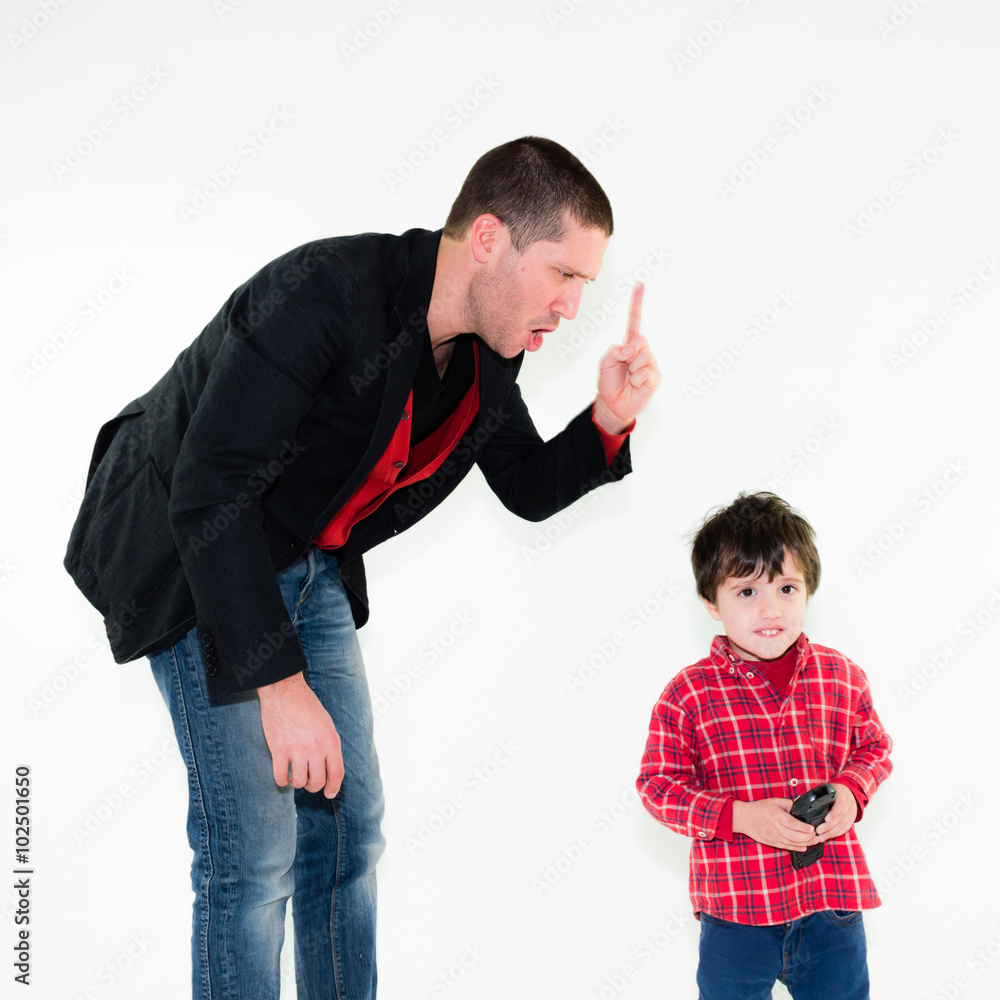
{"points": [[723, 655]]}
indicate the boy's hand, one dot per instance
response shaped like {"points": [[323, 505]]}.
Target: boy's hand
{"points": [[769, 821], [841, 816]]}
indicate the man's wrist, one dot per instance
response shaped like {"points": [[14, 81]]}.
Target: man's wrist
{"points": [[281, 689], [607, 421]]}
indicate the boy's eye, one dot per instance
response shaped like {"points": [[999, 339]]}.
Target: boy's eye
{"points": [[746, 592], [788, 588]]}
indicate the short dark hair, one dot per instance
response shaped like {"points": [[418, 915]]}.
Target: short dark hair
{"points": [[749, 536], [530, 184]]}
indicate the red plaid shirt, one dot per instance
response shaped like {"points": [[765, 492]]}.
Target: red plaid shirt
{"points": [[719, 730]]}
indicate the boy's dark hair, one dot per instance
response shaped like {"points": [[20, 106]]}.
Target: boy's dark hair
{"points": [[530, 184], [749, 536]]}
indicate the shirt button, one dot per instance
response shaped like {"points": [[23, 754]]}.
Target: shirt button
{"points": [[405, 416], [732, 670], [793, 782], [398, 465], [749, 673], [701, 833]]}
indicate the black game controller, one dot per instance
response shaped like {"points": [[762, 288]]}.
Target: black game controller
{"points": [[811, 807]]}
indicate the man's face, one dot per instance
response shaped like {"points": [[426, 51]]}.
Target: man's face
{"points": [[762, 617], [514, 299]]}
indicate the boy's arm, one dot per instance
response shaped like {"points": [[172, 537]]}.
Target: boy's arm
{"points": [[669, 783], [866, 767]]}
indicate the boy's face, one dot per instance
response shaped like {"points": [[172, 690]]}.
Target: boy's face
{"points": [[762, 617]]}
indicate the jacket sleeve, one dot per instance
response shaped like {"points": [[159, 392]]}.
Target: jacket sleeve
{"points": [[670, 782], [868, 763], [275, 351], [536, 479]]}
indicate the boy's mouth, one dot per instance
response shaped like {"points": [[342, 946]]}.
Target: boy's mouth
{"points": [[769, 633]]}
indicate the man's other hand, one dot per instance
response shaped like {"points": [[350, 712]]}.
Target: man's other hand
{"points": [[304, 744]]}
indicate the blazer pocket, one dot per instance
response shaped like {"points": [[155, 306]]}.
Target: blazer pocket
{"points": [[128, 548]]}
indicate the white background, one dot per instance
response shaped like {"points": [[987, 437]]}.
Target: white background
{"points": [[892, 459]]}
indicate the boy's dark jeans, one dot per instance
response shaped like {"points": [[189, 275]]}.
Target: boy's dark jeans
{"points": [[822, 956]]}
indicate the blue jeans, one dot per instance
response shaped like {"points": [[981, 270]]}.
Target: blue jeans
{"points": [[822, 956], [255, 843]]}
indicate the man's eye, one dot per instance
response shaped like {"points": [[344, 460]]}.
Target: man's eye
{"points": [[566, 274]]}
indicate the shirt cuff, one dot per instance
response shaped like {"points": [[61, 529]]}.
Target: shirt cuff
{"points": [[859, 796], [724, 827], [612, 442]]}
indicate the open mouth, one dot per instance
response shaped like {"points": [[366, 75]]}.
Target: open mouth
{"points": [[769, 633]]}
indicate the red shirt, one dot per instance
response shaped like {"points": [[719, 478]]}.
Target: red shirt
{"points": [[403, 464], [720, 731]]}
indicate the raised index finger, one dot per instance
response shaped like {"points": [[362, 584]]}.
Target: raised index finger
{"points": [[635, 313]]}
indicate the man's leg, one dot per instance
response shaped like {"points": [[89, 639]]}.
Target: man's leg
{"points": [[826, 957], [339, 840], [241, 827], [738, 961]]}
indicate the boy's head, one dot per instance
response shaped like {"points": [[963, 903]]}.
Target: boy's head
{"points": [[756, 565]]}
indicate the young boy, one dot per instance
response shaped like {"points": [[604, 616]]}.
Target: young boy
{"points": [[735, 737]]}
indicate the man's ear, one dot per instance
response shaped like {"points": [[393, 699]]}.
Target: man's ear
{"points": [[487, 236], [712, 609]]}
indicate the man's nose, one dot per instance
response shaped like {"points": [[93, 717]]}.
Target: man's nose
{"points": [[568, 303]]}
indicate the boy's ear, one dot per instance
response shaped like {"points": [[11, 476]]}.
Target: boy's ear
{"points": [[712, 609]]}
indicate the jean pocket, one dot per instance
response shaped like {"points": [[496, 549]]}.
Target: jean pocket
{"points": [[842, 917]]}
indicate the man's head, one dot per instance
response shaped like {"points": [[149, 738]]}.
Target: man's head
{"points": [[536, 188], [530, 225], [756, 565]]}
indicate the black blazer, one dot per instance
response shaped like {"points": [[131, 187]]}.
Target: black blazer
{"points": [[220, 476]]}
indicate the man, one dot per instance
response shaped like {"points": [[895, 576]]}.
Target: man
{"points": [[336, 399]]}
